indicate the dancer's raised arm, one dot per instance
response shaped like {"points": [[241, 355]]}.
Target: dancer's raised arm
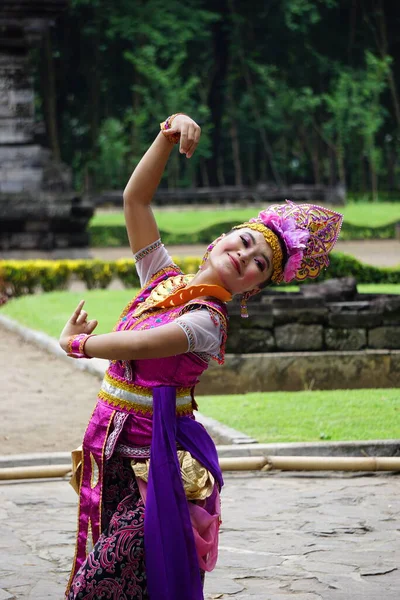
{"points": [[140, 222]]}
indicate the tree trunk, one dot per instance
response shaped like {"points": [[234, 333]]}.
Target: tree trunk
{"points": [[332, 167], [315, 158], [373, 172], [250, 87], [250, 170], [220, 170], [340, 160], [204, 173], [95, 90], [233, 131], [216, 97], [383, 48]]}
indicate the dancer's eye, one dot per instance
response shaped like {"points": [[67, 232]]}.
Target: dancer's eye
{"points": [[260, 265], [245, 241]]}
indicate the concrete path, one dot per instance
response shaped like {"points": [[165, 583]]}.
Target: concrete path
{"points": [[284, 536]]}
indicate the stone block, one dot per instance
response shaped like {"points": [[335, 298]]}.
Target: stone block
{"points": [[390, 307], [384, 337], [296, 337], [299, 315], [264, 321], [353, 319], [345, 339], [243, 341], [292, 371], [11, 187], [293, 300], [344, 288]]}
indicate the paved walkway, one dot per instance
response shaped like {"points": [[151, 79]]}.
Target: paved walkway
{"points": [[284, 537]]}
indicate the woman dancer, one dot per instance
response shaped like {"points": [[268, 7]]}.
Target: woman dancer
{"points": [[149, 479]]}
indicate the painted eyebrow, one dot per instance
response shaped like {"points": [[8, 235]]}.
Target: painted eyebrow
{"points": [[253, 239]]}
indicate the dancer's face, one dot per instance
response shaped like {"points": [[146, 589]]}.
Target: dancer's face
{"points": [[242, 260]]}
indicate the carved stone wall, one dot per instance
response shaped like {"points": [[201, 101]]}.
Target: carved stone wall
{"points": [[38, 207], [328, 316]]}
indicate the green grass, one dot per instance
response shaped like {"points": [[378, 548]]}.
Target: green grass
{"points": [[363, 288], [358, 213], [309, 416], [268, 417], [49, 312]]}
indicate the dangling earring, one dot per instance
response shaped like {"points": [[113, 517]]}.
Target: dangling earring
{"points": [[206, 255], [209, 248], [243, 305]]}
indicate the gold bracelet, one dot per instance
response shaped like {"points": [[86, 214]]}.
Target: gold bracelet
{"points": [[166, 125]]}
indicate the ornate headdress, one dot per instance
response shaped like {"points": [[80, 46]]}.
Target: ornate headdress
{"points": [[301, 237]]}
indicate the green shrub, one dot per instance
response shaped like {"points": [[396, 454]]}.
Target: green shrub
{"points": [[18, 278], [94, 273], [105, 236], [125, 271]]}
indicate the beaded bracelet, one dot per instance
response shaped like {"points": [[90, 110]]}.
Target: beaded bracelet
{"points": [[167, 124], [76, 345]]}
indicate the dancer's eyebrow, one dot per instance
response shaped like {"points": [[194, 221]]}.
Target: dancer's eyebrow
{"points": [[253, 239]]}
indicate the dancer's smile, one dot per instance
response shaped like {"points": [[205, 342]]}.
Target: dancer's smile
{"points": [[236, 264]]}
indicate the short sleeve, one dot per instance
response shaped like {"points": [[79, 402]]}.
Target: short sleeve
{"points": [[150, 260], [204, 333]]}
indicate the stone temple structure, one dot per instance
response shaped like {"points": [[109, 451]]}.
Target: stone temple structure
{"points": [[38, 208]]}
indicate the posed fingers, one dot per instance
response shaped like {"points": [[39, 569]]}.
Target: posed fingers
{"points": [[183, 145], [77, 312], [82, 317], [196, 138], [191, 141], [91, 326]]}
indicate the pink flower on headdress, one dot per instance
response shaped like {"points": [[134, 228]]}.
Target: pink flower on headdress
{"points": [[294, 238], [292, 266]]}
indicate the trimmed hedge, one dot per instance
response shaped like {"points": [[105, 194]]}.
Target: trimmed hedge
{"points": [[18, 278], [105, 236]]}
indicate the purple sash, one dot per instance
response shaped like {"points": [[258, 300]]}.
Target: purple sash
{"points": [[171, 562]]}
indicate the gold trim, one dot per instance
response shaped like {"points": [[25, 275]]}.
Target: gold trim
{"points": [[145, 315], [73, 568], [181, 392], [171, 267], [110, 422], [185, 409], [95, 472]]}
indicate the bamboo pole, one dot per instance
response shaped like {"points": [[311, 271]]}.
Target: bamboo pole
{"points": [[245, 463], [310, 463], [36, 472]]}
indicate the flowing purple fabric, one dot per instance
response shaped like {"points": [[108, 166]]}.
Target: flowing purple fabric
{"points": [[171, 561]]}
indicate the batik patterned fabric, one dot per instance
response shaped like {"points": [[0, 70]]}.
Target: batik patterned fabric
{"points": [[116, 566]]}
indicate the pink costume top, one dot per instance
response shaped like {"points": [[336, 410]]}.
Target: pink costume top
{"points": [[122, 420]]}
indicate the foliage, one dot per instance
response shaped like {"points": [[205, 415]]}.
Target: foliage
{"points": [[106, 236], [109, 168], [27, 277], [286, 92]]}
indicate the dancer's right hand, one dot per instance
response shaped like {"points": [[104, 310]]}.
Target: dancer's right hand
{"points": [[190, 134]]}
